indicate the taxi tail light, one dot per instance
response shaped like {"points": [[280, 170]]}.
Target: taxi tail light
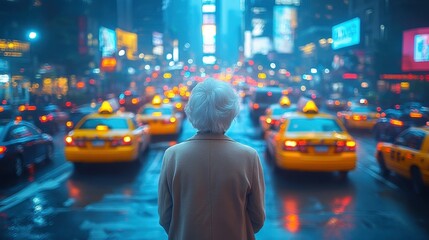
{"points": [[70, 141], [124, 141], [345, 146], [3, 149], [46, 118], [396, 123], [292, 145]]}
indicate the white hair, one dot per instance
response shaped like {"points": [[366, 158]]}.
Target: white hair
{"points": [[212, 106]]}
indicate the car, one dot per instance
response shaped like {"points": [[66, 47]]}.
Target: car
{"points": [[22, 144], [59, 116], [106, 136], [7, 114], [77, 114], [37, 115], [162, 118], [274, 113], [359, 117], [308, 140], [392, 122], [261, 98], [407, 156], [131, 101], [337, 103]]}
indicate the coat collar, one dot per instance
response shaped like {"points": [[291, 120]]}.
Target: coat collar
{"points": [[210, 136]]}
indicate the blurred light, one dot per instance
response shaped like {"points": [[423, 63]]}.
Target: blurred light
{"points": [[187, 45], [322, 41], [147, 67], [171, 63], [4, 78], [273, 65], [313, 70], [121, 52], [209, 8], [32, 35], [239, 64], [209, 59], [260, 68], [131, 71], [157, 68], [327, 70], [190, 61], [330, 40], [96, 70], [141, 55], [303, 88], [169, 56], [364, 85]]}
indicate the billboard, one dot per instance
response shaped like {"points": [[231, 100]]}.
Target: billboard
{"points": [[285, 22], [157, 42], [107, 39], [127, 41], [415, 50], [346, 34], [261, 31]]}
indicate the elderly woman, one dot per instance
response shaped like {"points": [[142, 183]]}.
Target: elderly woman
{"points": [[210, 186]]}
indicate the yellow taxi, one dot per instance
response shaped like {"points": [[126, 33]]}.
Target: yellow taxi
{"points": [[407, 156], [274, 113], [106, 136], [359, 117], [162, 118], [307, 140]]}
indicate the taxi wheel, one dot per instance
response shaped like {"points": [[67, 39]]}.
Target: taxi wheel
{"points": [[382, 164], [417, 181]]}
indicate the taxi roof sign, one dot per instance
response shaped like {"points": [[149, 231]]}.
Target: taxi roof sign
{"points": [[284, 101], [307, 106], [156, 100], [105, 108]]}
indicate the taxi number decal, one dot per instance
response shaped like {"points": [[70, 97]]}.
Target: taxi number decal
{"points": [[396, 155]]}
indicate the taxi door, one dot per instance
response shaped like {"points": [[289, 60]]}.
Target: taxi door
{"points": [[406, 152]]}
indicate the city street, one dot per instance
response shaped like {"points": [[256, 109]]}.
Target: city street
{"points": [[120, 201]]}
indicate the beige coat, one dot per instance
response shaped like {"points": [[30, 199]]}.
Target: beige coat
{"points": [[211, 187]]}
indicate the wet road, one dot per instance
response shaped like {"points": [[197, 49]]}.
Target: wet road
{"points": [[120, 201]]}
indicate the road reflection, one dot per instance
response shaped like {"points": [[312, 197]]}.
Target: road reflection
{"points": [[314, 203], [97, 181]]}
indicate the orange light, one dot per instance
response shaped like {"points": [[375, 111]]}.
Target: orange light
{"points": [[3, 149], [134, 100], [416, 115], [351, 144], [173, 119], [69, 124], [268, 120], [21, 108], [43, 119], [291, 143], [255, 106], [80, 85], [18, 118], [31, 108], [178, 105], [69, 139], [127, 139], [396, 122], [1, 109], [337, 103]]}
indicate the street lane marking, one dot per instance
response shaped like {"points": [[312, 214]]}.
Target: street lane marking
{"points": [[379, 178], [30, 190]]}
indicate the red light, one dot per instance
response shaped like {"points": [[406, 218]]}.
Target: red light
{"points": [[378, 109], [127, 93], [255, 106], [68, 104], [31, 108], [216, 67], [186, 68], [122, 101], [3, 149], [350, 76], [251, 62], [397, 106], [4, 102], [80, 85], [313, 96], [269, 94], [155, 75], [92, 81]]}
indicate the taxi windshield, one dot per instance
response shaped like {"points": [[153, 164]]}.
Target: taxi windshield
{"points": [[281, 111], [313, 125], [163, 110], [111, 123]]}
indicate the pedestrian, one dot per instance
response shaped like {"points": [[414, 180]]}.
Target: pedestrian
{"points": [[210, 186]]}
